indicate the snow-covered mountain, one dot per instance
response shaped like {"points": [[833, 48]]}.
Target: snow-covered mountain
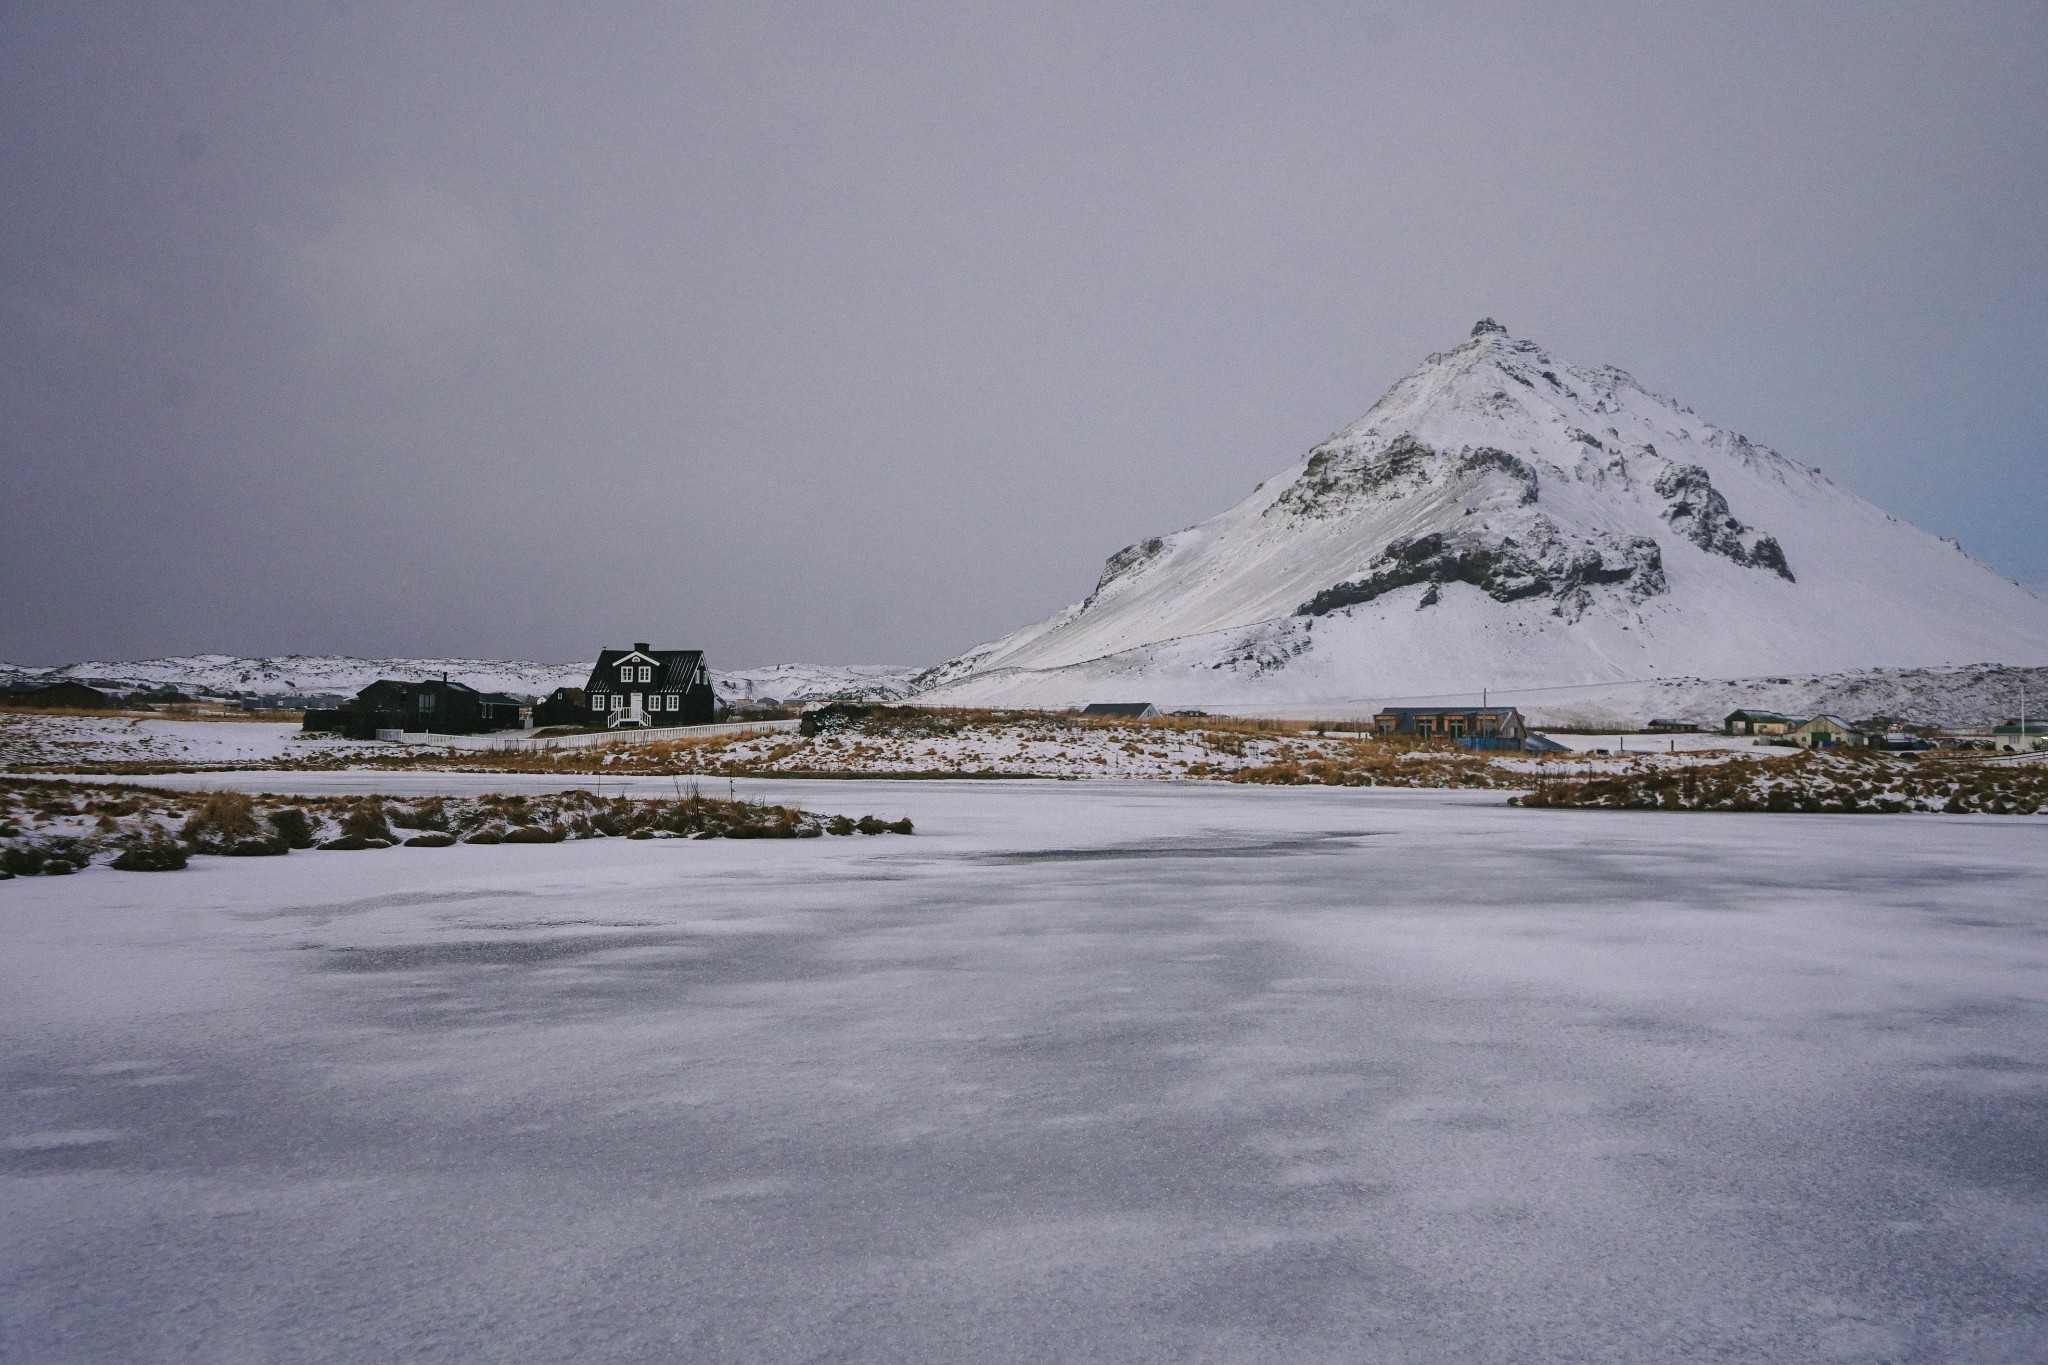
{"points": [[815, 682], [299, 673], [1503, 519]]}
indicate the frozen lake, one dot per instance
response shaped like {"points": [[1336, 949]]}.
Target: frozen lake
{"points": [[1083, 1071]]}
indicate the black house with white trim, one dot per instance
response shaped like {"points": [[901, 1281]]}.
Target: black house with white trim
{"points": [[645, 687]]}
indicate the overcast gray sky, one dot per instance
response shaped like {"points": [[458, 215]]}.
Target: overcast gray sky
{"points": [[865, 332]]}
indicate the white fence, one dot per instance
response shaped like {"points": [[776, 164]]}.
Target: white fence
{"points": [[516, 740]]}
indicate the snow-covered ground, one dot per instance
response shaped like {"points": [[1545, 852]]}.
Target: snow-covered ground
{"points": [[1626, 743], [1103, 1071], [37, 740]]}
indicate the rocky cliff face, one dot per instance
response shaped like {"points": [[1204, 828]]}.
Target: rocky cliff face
{"points": [[1501, 517]]}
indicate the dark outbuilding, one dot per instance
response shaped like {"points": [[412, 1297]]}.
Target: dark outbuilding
{"points": [[437, 706], [69, 694], [563, 706]]}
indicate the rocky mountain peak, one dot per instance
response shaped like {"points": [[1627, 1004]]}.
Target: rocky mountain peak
{"points": [[1500, 512]]}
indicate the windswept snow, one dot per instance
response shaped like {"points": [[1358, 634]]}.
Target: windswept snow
{"points": [[1504, 519]]}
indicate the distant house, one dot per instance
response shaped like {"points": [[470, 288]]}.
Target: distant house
{"points": [[1674, 727], [436, 707], [2017, 738], [563, 706], [290, 701], [643, 686], [1121, 710], [1758, 723], [69, 695], [1827, 732], [504, 710], [1503, 723]]}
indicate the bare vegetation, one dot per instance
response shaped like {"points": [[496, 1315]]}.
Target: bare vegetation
{"points": [[51, 827], [1832, 783]]}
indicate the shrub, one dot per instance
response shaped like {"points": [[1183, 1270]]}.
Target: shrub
{"points": [[223, 820], [532, 834], [294, 828], [152, 852], [429, 814], [365, 820], [486, 835], [22, 860], [430, 841]]}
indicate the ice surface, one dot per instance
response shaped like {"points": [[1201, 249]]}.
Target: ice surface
{"points": [[1084, 1071]]}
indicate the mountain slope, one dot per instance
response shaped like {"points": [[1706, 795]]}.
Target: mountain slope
{"points": [[1501, 518]]}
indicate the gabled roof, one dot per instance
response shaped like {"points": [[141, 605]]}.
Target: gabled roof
{"points": [[1832, 722], [1119, 708], [673, 668], [1762, 715], [1447, 711], [409, 686]]}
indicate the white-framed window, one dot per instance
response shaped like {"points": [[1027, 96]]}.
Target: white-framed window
{"points": [[646, 673], [597, 701], [672, 700], [625, 672]]}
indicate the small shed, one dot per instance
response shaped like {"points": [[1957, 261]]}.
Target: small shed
{"points": [[563, 706], [1121, 710], [1665, 726], [1827, 732], [1747, 722]]}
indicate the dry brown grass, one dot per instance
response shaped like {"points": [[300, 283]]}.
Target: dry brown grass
{"points": [[132, 819], [1847, 783]]}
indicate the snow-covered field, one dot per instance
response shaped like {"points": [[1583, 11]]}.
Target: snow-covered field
{"points": [[1094, 1071], [41, 741]]}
